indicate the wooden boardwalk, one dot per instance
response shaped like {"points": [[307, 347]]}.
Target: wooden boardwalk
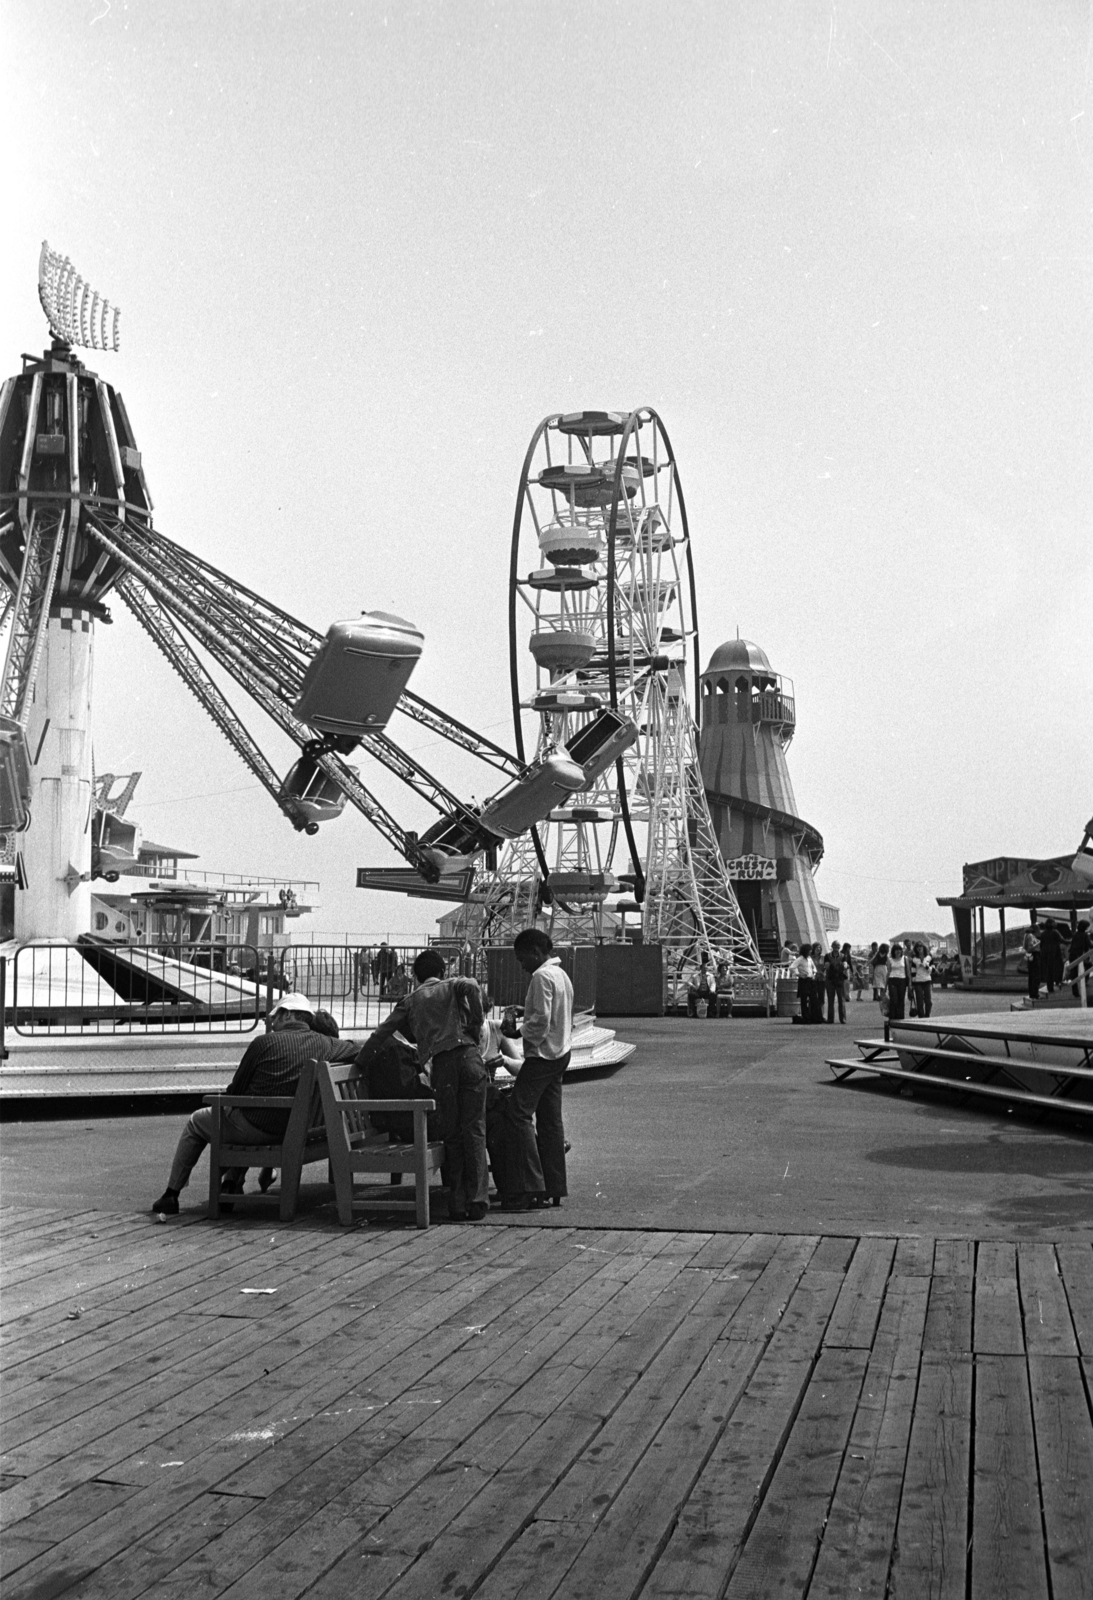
{"points": [[505, 1411]]}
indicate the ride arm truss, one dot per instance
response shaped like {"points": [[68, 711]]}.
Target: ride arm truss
{"points": [[30, 613], [157, 623], [174, 594]]}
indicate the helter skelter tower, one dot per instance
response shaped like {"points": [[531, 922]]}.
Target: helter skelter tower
{"points": [[603, 643]]}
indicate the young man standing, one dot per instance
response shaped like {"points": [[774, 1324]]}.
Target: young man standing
{"points": [[443, 1017], [536, 1155]]}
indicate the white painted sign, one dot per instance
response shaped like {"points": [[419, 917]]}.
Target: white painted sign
{"points": [[752, 868]]}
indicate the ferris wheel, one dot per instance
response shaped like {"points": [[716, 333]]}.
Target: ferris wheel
{"points": [[603, 653]]}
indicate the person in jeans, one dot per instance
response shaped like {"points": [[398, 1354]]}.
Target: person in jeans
{"points": [[835, 983], [897, 983], [271, 1065], [922, 980], [535, 1156], [443, 1018]]}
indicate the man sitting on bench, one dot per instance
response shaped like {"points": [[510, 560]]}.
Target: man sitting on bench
{"points": [[271, 1065]]}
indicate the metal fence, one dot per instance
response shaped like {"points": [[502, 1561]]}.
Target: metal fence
{"points": [[56, 989], [358, 984], [136, 988]]}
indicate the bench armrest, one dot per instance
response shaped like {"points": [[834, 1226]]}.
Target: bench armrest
{"points": [[265, 1101], [391, 1105]]}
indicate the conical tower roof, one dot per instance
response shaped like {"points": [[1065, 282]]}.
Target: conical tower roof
{"points": [[737, 654]]}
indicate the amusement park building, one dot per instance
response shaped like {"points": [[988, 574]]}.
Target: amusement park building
{"points": [[748, 718]]}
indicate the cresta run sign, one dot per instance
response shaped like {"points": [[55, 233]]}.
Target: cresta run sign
{"points": [[752, 869]]}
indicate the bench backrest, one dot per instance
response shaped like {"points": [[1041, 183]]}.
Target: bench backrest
{"points": [[344, 1091]]}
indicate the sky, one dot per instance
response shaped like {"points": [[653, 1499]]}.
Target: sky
{"points": [[362, 249]]}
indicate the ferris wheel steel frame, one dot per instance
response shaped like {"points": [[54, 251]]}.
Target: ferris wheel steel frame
{"points": [[640, 667]]}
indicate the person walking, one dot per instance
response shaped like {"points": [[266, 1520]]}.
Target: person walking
{"points": [[835, 983], [535, 1157], [443, 1017], [922, 980], [1051, 955], [897, 983]]}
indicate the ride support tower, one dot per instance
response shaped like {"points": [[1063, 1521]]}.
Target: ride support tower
{"points": [[66, 446], [603, 641]]}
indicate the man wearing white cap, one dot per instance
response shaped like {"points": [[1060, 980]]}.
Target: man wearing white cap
{"points": [[271, 1065]]}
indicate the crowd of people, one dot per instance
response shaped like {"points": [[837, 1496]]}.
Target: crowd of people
{"points": [[438, 1042], [900, 979]]}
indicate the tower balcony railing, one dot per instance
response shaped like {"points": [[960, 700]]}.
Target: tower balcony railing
{"points": [[773, 706]]}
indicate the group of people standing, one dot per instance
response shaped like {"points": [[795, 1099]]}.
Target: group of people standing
{"points": [[1043, 947], [892, 971], [821, 973], [437, 1042]]}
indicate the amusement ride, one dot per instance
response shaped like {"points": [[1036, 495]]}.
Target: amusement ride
{"points": [[602, 797]]}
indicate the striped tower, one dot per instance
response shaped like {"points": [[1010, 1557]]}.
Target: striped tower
{"points": [[748, 720]]}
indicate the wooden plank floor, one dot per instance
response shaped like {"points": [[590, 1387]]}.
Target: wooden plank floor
{"points": [[513, 1411]]}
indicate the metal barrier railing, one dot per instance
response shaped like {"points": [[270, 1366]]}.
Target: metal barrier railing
{"points": [[358, 984], [136, 988]]}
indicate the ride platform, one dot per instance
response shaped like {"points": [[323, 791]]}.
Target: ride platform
{"points": [[1042, 1058], [165, 1066]]}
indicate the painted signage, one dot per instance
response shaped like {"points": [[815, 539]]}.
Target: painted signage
{"points": [[752, 868]]}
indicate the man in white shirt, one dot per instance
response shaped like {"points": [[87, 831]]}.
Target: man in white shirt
{"points": [[536, 1155]]}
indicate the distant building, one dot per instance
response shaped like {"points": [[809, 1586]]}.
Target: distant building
{"points": [[153, 902]]}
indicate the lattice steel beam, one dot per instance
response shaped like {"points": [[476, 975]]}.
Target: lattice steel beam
{"points": [[45, 538], [158, 624]]}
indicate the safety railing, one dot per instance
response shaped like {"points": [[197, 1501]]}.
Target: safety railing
{"points": [[91, 988], [358, 984]]}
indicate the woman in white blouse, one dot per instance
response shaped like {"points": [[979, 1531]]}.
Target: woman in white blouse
{"points": [[897, 983]]}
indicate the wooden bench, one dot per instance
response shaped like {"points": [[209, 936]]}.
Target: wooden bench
{"points": [[355, 1146], [304, 1141]]}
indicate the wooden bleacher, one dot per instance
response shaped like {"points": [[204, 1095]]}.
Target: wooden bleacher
{"points": [[1044, 1059]]}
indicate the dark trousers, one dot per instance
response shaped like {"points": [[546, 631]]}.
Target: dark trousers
{"points": [[810, 993], [924, 998], [535, 1157], [835, 992], [1033, 977], [897, 998], [459, 1086]]}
